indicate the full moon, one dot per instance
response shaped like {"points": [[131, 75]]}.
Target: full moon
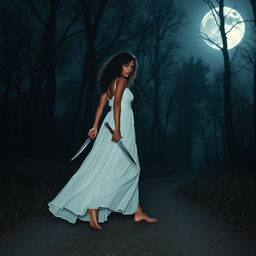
{"points": [[209, 28]]}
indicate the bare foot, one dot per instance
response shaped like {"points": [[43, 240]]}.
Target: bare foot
{"points": [[143, 217], [93, 213]]}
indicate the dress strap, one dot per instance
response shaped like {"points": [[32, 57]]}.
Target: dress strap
{"points": [[115, 84]]}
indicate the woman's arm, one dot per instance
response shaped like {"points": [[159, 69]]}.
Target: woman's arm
{"points": [[93, 131], [120, 86]]}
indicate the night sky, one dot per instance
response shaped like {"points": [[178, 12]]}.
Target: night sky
{"points": [[190, 37]]}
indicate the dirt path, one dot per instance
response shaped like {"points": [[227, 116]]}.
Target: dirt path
{"points": [[184, 228]]}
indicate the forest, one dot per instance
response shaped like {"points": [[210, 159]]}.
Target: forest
{"points": [[51, 52], [188, 115]]}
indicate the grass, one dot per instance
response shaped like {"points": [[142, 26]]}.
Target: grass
{"points": [[27, 184], [19, 202], [231, 195]]}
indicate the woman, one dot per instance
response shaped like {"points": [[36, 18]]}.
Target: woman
{"points": [[107, 180]]}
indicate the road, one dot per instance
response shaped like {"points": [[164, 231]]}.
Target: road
{"points": [[184, 228]]}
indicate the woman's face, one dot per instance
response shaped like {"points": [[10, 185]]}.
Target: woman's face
{"points": [[127, 69]]}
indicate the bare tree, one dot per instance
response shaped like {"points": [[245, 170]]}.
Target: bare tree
{"points": [[212, 123], [192, 89], [249, 55], [12, 43], [43, 63], [213, 109], [219, 17], [253, 4], [165, 18]]}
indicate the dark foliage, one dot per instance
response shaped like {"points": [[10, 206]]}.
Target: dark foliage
{"points": [[231, 195]]}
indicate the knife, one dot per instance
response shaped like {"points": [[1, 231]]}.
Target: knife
{"points": [[121, 145], [89, 139]]}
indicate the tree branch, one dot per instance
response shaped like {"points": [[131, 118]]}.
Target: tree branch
{"points": [[36, 13], [64, 35], [208, 39], [242, 21], [69, 36]]}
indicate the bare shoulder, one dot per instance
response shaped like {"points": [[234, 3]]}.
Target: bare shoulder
{"points": [[103, 95], [121, 81], [120, 86]]}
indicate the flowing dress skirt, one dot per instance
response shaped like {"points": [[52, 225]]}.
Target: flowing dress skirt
{"points": [[106, 179]]}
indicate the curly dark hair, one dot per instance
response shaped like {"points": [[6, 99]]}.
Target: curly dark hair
{"points": [[111, 69]]}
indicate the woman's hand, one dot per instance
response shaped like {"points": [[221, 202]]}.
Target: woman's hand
{"points": [[116, 135], [93, 132]]}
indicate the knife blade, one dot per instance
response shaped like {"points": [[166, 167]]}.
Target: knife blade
{"points": [[121, 145], [89, 139]]}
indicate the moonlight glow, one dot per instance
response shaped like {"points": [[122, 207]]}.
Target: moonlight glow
{"points": [[210, 30]]}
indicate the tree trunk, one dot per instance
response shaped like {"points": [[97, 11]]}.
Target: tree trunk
{"points": [[4, 115], [155, 134], [253, 4], [233, 161], [48, 122], [216, 148], [206, 151], [16, 115], [81, 99], [91, 93], [8, 85], [254, 100], [42, 95]]}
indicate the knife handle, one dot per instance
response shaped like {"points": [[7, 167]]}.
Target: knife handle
{"points": [[108, 126]]}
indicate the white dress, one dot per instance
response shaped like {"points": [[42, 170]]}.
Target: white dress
{"points": [[106, 179]]}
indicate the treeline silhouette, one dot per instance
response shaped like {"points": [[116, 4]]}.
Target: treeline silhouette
{"points": [[51, 52]]}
